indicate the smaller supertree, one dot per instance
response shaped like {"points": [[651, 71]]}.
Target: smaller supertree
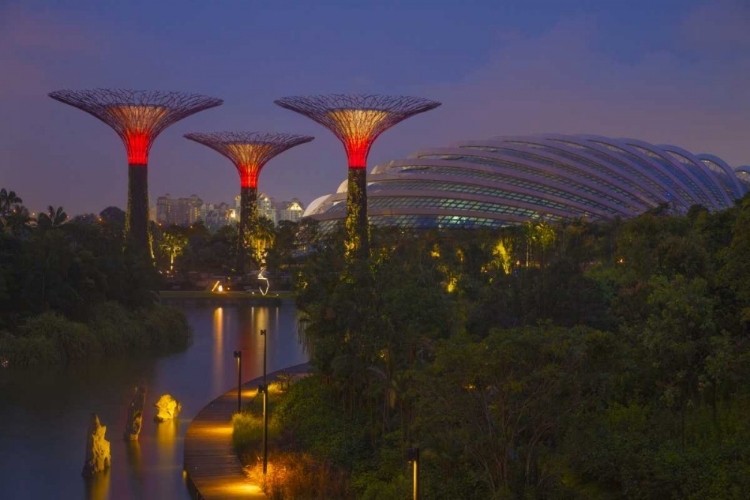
{"points": [[357, 120], [249, 151]]}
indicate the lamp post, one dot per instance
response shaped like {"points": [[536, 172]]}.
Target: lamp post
{"points": [[264, 388], [238, 355], [412, 455]]}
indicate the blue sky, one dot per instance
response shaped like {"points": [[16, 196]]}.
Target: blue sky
{"points": [[662, 71]]}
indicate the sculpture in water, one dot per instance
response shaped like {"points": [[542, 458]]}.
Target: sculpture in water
{"points": [[169, 408], [98, 456], [134, 421]]}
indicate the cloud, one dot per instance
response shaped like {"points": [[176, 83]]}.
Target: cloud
{"points": [[560, 82], [719, 27]]}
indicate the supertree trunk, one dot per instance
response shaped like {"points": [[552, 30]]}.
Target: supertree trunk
{"points": [[248, 223], [356, 214], [136, 223]]}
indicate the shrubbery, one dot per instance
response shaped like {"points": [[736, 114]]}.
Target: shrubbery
{"points": [[70, 290], [51, 339], [569, 361]]}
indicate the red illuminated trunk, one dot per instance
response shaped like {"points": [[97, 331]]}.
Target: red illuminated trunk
{"points": [[357, 244], [248, 221], [136, 222]]}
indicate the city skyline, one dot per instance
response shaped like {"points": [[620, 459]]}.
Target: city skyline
{"points": [[671, 72]]}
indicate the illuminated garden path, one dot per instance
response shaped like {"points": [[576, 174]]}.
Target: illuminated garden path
{"points": [[213, 469]]}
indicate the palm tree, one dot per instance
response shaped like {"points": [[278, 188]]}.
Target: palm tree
{"points": [[8, 200], [172, 244], [55, 217]]}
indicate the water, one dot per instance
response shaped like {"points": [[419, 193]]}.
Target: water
{"points": [[44, 414]]}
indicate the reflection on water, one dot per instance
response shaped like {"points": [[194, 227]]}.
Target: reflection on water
{"points": [[219, 349], [97, 487], [44, 414], [133, 449]]}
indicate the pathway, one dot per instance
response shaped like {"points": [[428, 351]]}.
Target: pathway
{"points": [[213, 470]]}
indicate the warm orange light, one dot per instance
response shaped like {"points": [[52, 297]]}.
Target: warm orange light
{"points": [[216, 430], [250, 158], [360, 127], [139, 123]]}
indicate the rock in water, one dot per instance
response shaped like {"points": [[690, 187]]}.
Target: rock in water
{"points": [[135, 413], [98, 456], [168, 407]]}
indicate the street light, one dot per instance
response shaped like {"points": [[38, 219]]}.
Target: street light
{"points": [[412, 455], [264, 389], [238, 355]]}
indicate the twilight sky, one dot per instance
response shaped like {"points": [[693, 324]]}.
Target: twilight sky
{"points": [[665, 71]]}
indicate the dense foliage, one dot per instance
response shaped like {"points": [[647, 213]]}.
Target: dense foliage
{"points": [[69, 291], [580, 360]]}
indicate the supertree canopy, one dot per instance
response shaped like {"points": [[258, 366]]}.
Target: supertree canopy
{"points": [[249, 151], [357, 120], [138, 117]]}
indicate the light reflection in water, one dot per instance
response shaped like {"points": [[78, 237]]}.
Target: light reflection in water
{"points": [[133, 449], [97, 487], [166, 438], [219, 351]]}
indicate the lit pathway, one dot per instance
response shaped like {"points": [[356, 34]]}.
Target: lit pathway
{"points": [[214, 471]]}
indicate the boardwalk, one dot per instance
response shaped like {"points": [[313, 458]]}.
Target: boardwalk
{"points": [[213, 470]]}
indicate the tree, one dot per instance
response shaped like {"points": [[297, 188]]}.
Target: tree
{"points": [[172, 244], [259, 238], [8, 201], [55, 217]]}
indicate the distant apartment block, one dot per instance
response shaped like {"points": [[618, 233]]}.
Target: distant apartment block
{"points": [[291, 210], [187, 211], [178, 211], [267, 208]]}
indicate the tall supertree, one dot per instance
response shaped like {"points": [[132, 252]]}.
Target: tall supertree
{"points": [[357, 120], [138, 117], [249, 151]]}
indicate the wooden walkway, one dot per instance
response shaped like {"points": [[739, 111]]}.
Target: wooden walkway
{"points": [[213, 470]]}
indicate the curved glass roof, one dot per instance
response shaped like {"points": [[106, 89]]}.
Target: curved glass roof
{"points": [[510, 180]]}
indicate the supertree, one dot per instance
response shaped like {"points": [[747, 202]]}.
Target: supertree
{"points": [[249, 151], [357, 120], [138, 117]]}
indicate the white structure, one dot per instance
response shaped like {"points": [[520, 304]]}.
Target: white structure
{"points": [[511, 180]]}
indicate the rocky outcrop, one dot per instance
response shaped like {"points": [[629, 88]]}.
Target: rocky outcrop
{"points": [[134, 421], [169, 408], [98, 456]]}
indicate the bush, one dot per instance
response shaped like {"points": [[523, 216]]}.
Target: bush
{"points": [[167, 328], [22, 352], [74, 341], [52, 339], [318, 426], [117, 331]]}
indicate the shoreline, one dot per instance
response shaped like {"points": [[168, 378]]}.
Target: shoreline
{"points": [[192, 297], [212, 468]]}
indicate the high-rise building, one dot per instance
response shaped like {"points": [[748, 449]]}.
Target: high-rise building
{"points": [[267, 208], [178, 211], [218, 215], [291, 210]]}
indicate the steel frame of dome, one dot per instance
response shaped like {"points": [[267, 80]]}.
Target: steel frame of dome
{"points": [[509, 180]]}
